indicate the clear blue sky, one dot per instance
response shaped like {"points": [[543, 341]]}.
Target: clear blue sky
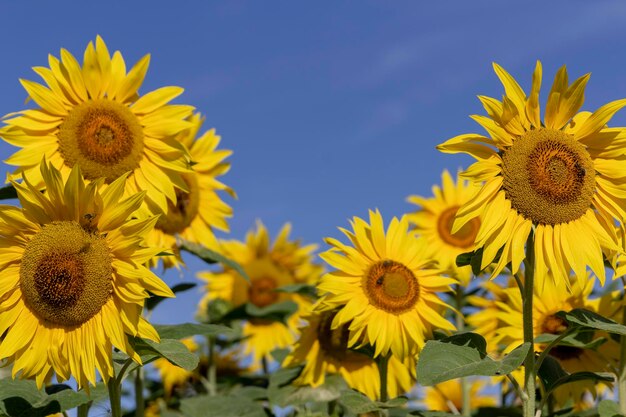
{"points": [[331, 108]]}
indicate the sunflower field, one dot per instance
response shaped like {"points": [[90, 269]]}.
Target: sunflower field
{"points": [[498, 293]]}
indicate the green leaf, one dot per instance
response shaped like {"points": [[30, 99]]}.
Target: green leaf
{"points": [[221, 406], [475, 259], [553, 376], [608, 408], [173, 350], [302, 289], [573, 340], [273, 312], [154, 300], [22, 398], [181, 331], [293, 395], [589, 319], [463, 355], [357, 403], [211, 257], [279, 355], [8, 192]]}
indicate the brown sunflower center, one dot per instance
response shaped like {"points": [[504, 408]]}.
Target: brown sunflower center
{"points": [[556, 325], [104, 137], [548, 177], [334, 343], [262, 291], [180, 215], [65, 274], [566, 352], [391, 286], [465, 237]]}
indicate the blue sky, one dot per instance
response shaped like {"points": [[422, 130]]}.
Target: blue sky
{"points": [[331, 108]]}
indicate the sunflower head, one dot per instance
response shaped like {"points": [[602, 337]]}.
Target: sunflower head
{"points": [[92, 115], [434, 219], [383, 280], [74, 282], [559, 176], [199, 210]]}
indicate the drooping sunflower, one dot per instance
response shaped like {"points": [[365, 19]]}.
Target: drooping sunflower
{"points": [[269, 267], [384, 286], [73, 282], [561, 176], [447, 396], [323, 350], [550, 297], [198, 212], [93, 116], [434, 219]]}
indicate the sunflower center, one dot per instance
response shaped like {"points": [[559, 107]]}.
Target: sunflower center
{"points": [[548, 177], [334, 343], [180, 215], [262, 291], [465, 237], [65, 275], [391, 286], [104, 137]]}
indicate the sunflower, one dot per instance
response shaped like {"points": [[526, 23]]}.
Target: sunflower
{"points": [[269, 267], [172, 375], [550, 297], [73, 285], [385, 286], [447, 396], [198, 212], [93, 116], [323, 350], [434, 218], [561, 176]]}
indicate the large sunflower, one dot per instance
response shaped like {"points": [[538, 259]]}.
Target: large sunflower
{"points": [[73, 284], [93, 116], [269, 267], [385, 286], [196, 213], [434, 218], [323, 350], [562, 176]]}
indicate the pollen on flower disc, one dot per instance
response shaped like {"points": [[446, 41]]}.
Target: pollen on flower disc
{"points": [[103, 137], [391, 286], [548, 176], [66, 273]]}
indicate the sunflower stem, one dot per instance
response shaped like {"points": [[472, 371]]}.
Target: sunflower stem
{"points": [[139, 403], [528, 399], [83, 410], [212, 367], [621, 376], [460, 326], [115, 397], [383, 365]]}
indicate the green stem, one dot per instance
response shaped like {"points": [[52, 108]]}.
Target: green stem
{"points": [[383, 364], [115, 397], [621, 376], [212, 367], [83, 410], [139, 402], [466, 409], [528, 399]]}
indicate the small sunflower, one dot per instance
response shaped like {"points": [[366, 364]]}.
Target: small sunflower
{"points": [[385, 286], [323, 350], [550, 297], [198, 212], [93, 116], [434, 219], [73, 282], [561, 176], [269, 267], [448, 397]]}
